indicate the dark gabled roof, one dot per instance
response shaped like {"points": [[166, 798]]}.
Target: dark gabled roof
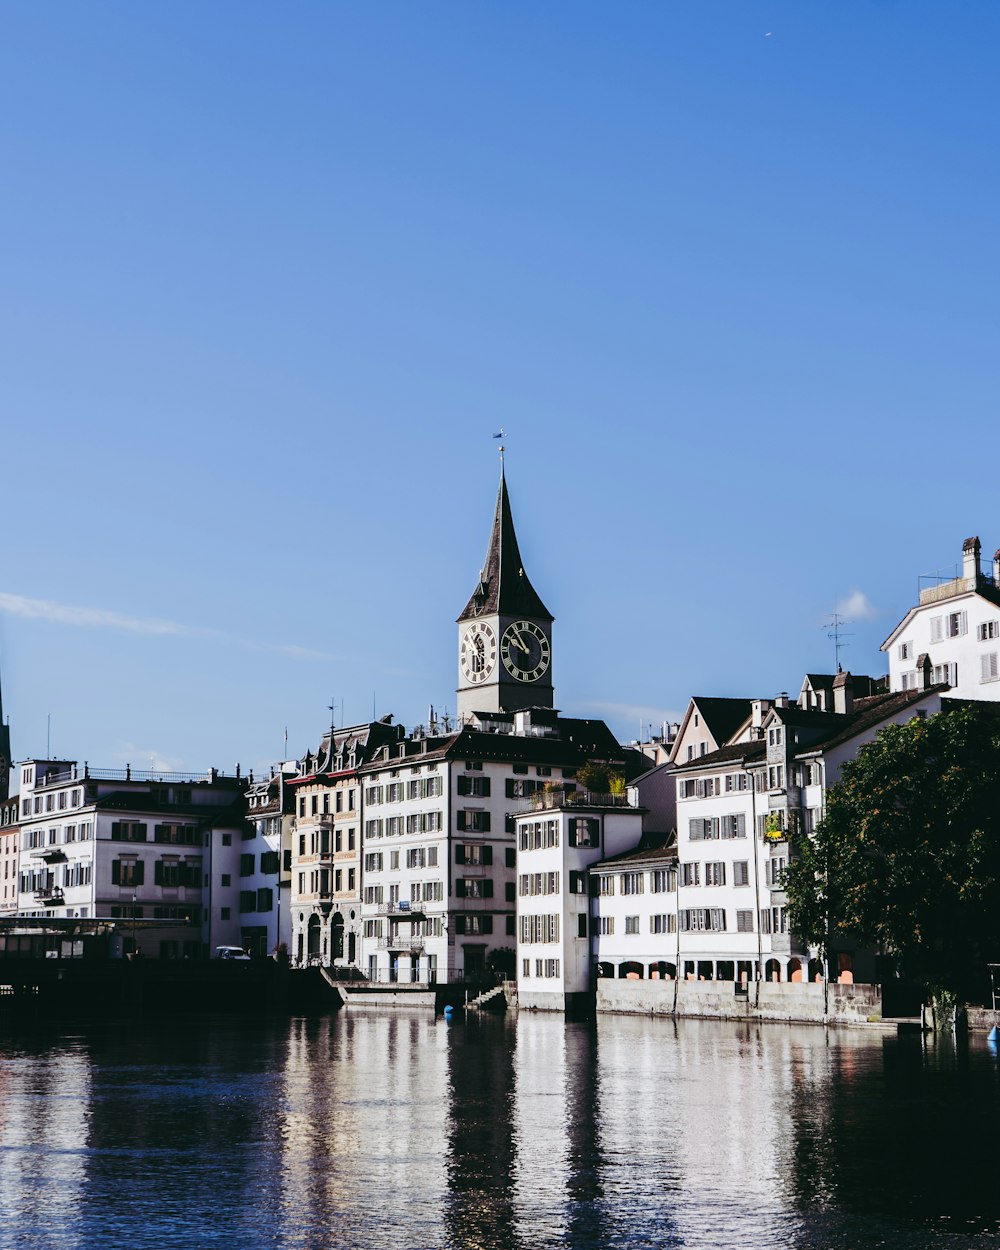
{"points": [[577, 741], [867, 714], [722, 716], [503, 584], [735, 752]]}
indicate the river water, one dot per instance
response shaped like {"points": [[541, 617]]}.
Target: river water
{"points": [[398, 1130]]}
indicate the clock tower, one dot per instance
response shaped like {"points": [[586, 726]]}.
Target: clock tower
{"points": [[505, 632]]}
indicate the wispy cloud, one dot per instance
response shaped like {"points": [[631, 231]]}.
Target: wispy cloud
{"points": [[857, 607], [89, 618], [77, 616]]}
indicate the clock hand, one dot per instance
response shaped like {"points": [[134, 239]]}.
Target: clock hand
{"points": [[521, 643]]}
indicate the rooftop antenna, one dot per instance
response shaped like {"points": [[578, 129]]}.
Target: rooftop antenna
{"points": [[836, 633], [48, 736]]}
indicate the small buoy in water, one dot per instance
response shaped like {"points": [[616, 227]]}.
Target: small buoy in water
{"points": [[449, 1011]]}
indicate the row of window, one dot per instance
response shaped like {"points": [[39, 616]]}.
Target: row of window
{"points": [[704, 828], [58, 802], [539, 929], [698, 920], [418, 788], [310, 804], [256, 900], [319, 842], [546, 968], [660, 881]]}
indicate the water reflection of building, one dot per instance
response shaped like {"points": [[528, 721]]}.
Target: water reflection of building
{"points": [[482, 1155], [44, 1104], [364, 1112]]}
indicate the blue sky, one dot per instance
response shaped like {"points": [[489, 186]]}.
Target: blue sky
{"points": [[727, 274]]}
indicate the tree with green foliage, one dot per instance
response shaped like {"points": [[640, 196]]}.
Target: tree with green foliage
{"points": [[908, 855], [599, 777]]}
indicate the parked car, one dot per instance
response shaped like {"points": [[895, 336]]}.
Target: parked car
{"points": [[230, 952]]}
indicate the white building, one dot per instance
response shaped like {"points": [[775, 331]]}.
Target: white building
{"points": [[158, 852], [735, 810], [634, 906], [952, 636], [558, 840]]}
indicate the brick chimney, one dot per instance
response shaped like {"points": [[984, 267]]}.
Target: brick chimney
{"points": [[970, 560], [924, 669]]}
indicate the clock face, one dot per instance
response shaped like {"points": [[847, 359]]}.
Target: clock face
{"points": [[478, 652], [524, 649]]}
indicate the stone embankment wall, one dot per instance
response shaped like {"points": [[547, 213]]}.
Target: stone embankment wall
{"points": [[788, 1001]]}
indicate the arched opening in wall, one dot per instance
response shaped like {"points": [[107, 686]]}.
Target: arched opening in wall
{"points": [[313, 933], [605, 970], [300, 948], [630, 971], [795, 970], [845, 968], [352, 947], [746, 971], [338, 937], [662, 971], [725, 970], [706, 970], [772, 970], [815, 970]]}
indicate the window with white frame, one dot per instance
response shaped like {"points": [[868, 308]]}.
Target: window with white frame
{"points": [[906, 650], [741, 872], [988, 666], [744, 922], [715, 873], [664, 922], [632, 882], [988, 630], [945, 675], [606, 926], [631, 924]]}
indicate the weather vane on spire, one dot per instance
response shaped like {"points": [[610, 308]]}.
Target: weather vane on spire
{"points": [[501, 435]]}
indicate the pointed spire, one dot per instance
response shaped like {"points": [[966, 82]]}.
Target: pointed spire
{"points": [[503, 585]]}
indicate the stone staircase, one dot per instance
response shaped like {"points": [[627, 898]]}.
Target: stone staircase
{"points": [[488, 996]]}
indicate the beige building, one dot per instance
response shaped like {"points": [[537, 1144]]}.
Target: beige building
{"points": [[325, 860]]}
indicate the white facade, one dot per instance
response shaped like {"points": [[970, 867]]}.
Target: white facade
{"points": [[634, 909], [556, 846], [952, 636], [157, 852], [735, 810]]}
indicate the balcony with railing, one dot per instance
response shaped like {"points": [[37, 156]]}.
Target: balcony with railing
{"points": [[401, 907], [556, 796], [396, 943], [50, 895]]}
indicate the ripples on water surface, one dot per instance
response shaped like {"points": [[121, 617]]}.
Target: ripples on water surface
{"points": [[381, 1130]]}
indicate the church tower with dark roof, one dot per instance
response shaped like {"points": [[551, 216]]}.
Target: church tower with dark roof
{"points": [[505, 632]]}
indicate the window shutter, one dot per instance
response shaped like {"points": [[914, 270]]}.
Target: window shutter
{"points": [[963, 622], [459, 853], [116, 871], [487, 888], [486, 924], [484, 822], [460, 888], [935, 629], [140, 870], [461, 823], [116, 830], [158, 872], [487, 852], [463, 785]]}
